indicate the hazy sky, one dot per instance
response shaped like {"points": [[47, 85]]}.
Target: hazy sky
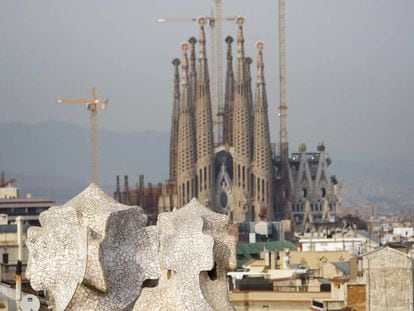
{"points": [[350, 69]]}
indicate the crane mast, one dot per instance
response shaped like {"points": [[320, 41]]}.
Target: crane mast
{"points": [[217, 71], [284, 144], [92, 106], [94, 139], [282, 73]]}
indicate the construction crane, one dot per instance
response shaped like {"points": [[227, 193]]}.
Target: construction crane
{"points": [[215, 22], [282, 74], [284, 144], [92, 105]]}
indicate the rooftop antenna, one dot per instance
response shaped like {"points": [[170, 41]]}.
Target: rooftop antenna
{"points": [[92, 105]]}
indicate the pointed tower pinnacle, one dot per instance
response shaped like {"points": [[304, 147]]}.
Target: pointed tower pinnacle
{"points": [[242, 136], [174, 121], [260, 65], [203, 68], [203, 124], [262, 154], [185, 151], [249, 91], [229, 96], [193, 70], [241, 68]]}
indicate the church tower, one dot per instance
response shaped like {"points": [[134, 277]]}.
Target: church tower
{"points": [[240, 176], [174, 121], [249, 62], [203, 124], [229, 96], [242, 136], [193, 71], [262, 205], [185, 184]]}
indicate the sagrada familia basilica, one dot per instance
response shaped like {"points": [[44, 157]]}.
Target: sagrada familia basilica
{"points": [[94, 253], [240, 175]]}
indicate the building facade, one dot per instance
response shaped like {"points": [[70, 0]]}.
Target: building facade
{"points": [[239, 174], [233, 176], [388, 274], [12, 205], [315, 194]]}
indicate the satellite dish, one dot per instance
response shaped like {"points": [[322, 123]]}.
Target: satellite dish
{"points": [[30, 303]]}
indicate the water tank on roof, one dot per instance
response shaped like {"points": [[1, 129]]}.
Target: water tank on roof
{"points": [[30, 302], [263, 228], [4, 218], [252, 237]]}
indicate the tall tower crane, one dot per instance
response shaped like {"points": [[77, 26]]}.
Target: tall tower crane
{"points": [[92, 105], [284, 144], [215, 22]]}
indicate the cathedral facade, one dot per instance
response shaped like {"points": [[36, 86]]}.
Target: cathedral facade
{"points": [[238, 175]]}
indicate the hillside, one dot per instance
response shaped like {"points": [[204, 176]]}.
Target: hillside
{"points": [[52, 159], [56, 155]]}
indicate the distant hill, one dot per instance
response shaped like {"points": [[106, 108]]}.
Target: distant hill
{"points": [[52, 159], [387, 184], [56, 155]]}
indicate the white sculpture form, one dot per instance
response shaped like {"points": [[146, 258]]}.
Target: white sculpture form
{"points": [[196, 252], [93, 253], [89, 253]]}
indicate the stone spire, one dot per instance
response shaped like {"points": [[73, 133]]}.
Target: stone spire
{"points": [[185, 150], [203, 124], [174, 121], [242, 136], [229, 96], [249, 90], [203, 68], [241, 68], [262, 154], [193, 70]]}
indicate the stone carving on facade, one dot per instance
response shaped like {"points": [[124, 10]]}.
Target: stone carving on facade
{"points": [[307, 223], [93, 253], [338, 195], [223, 191]]}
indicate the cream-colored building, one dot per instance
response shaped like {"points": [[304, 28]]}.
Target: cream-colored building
{"points": [[297, 281], [388, 274], [9, 192], [9, 251]]}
